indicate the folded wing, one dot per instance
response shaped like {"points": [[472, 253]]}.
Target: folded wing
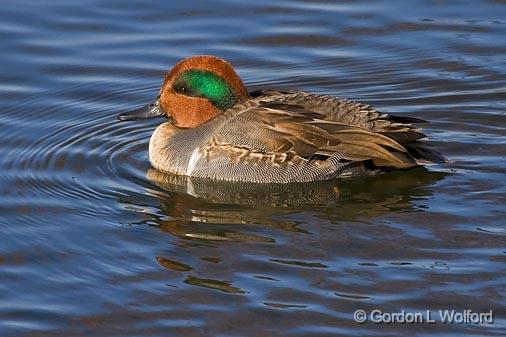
{"points": [[316, 128]]}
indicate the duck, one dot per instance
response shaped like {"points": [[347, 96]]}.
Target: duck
{"points": [[216, 129]]}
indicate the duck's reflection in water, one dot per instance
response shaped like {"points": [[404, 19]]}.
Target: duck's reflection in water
{"points": [[208, 201], [206, 213]]}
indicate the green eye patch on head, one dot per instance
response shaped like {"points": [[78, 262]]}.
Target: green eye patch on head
{"points": [[201, 83]]}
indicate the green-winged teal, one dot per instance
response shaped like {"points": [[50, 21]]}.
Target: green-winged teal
{"points": [[218, 130]]}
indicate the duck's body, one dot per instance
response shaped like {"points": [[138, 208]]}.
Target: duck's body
{"points": [[219, 131]]}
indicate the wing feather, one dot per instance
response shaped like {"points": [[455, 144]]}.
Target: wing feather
{"points": [[318, 127]]}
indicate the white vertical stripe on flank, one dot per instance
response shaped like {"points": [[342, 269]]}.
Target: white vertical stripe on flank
{"points": [[194, 159]]}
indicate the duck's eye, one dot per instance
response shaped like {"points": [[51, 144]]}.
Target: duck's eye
{"points": [[182, 89]]}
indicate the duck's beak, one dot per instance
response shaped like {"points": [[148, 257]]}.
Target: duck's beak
{"points": [[152, 110]]}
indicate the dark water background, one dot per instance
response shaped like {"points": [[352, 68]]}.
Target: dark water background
{"points": [[93, 243]]}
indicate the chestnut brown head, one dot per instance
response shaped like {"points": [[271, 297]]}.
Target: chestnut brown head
{"points": [[195, 91]]}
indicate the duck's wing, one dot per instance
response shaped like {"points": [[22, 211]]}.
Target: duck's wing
{"points": [[347, 118], [279, 127]]}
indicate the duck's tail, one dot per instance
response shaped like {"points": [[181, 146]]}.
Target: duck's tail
{"points": [[413, 140], [424, 154]]}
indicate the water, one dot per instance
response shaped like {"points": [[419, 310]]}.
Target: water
{"points": [[94, 243]]}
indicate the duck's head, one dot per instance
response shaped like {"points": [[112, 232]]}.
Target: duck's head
{"points": [[195, 91]]}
